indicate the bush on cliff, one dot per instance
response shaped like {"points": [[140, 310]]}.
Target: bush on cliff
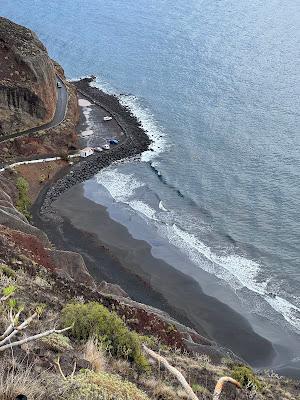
{"points": [[23, 203], [93, 319], [88, 385], [246, 377]]}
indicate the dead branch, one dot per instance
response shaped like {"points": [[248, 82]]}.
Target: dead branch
{"points": [[174, 371], [57, 363], [15, 330], [220, 384], [34, 337], [4, 298], [10, 328]]}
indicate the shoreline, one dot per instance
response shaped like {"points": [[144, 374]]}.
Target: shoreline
{"points": [[166, 288], [135, 142], [140, 286]]}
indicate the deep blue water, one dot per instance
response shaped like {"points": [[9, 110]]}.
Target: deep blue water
{"points": [[219, 81]]}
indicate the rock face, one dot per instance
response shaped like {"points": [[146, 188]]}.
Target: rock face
{"points": [[27, 80]]}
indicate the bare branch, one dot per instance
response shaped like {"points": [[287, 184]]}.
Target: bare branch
{"points": [[26, 322], [21, 327], [59, 368], [4, 298], [10, 328], [173, 371], [74, 369], [220, 384], [31, 338]]}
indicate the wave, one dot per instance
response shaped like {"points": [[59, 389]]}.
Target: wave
{"points": [[239, 272], [143, 209], [143, 115], [150, 126], [120, 186]]}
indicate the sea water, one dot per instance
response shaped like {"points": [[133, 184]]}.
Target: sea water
{"points": [[216, 85]]}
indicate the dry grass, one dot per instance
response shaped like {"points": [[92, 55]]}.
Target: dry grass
{"points": [[94, 355], [20, 379], [88, 385]]}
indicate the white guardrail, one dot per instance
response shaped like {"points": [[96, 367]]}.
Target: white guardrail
{"points": [[40, 160]]}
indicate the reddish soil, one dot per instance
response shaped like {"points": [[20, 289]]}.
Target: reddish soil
{"points": [[38, 174]]}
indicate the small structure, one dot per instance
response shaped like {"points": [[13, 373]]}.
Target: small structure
{"points": [[86, 152]]}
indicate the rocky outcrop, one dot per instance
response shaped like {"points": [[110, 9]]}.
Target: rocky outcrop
{"points": [[33, 242], [27, 80]]}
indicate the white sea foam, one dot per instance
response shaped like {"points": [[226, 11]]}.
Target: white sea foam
{"points": [[236, 270], [150, 126], [120, 186], [143, 208], [144, 116]]}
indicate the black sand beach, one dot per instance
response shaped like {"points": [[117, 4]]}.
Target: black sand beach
{"points": [[112, 254]]}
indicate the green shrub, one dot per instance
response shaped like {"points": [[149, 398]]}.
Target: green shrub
{"points": [[9, 290], [64, 156], [7, 271], [57, 342], [88, 385], [246, 377], [199, 389], [23, 203], [93, 319]]}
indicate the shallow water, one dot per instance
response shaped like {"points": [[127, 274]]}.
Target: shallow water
{"points": [[217, 85]]}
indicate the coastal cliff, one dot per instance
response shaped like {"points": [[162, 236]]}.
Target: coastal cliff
{"points": [[27, 80], [86, 336]]}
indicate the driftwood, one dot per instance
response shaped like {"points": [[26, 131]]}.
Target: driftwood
{"points": [[220, 384], [181, 379]]}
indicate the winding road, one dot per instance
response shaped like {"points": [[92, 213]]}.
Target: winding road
{"points": [[59, 116]]}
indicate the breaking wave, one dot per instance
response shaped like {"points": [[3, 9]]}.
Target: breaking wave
{"points": [[239, 272], [144, 116]]}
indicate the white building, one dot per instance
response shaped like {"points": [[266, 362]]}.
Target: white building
{"points": [[87, 151]]}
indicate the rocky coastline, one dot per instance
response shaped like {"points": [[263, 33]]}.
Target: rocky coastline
{"points": [[46, 271], [135, 141]]}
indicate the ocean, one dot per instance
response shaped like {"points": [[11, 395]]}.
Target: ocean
{"points": [[217, 87]]}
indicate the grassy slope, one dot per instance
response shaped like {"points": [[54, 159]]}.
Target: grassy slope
{"points": [[38, 286]]}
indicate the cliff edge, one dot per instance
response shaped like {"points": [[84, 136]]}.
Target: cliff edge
{"points": [[27, 80]]}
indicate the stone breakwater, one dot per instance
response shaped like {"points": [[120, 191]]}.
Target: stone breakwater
{"points": [[134, 143]]}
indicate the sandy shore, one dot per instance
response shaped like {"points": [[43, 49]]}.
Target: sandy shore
{"points": [[112, 254]]}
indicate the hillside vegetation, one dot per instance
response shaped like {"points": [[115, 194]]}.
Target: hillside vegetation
{"points": [[99, 357]]}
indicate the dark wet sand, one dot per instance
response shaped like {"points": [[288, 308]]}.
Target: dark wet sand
{"points": [[112, 254]]}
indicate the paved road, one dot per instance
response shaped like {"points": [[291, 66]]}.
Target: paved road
{"points": [[61, 105]]}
